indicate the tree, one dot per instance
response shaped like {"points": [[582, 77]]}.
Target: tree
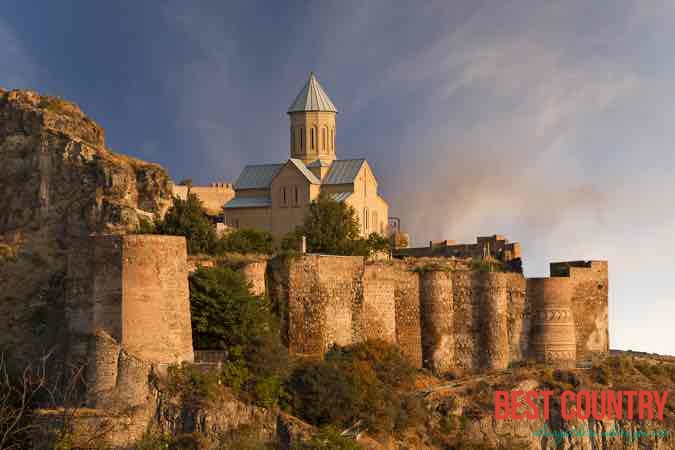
{"points": [[332, 227], [188, 218], [247, 241], [226, 316]]}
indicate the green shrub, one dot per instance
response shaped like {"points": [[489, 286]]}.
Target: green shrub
{"points": [[226, 316], [331, 227], [365, 382], [246, 241], [188, 218]]}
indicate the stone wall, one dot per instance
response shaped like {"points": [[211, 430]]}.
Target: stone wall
{"points": [[134, 288], [590, 293], [442, 315]]}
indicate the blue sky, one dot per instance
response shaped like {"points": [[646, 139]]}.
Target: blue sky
{"points": [[550, 122]]}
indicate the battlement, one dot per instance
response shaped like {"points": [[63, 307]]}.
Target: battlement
{"points": [[495, 247]]}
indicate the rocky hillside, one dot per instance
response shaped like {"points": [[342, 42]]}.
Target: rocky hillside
{"points": [[58, 183]]}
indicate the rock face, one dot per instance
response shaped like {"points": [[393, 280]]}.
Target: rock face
{"points": [[58, 184]]}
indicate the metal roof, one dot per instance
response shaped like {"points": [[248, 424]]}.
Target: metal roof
{"points": [[312, 97], [343, 171], [319, 163], [248, 202], [340, 196], [305, 171], [257, 176]]}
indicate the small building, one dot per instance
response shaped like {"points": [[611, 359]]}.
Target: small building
{"points": [[275, 197]]}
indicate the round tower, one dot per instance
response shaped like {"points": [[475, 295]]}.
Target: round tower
{"points": [[553, 339], [312, 129]]}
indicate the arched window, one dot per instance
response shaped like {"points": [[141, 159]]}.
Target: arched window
{"points": [[302, 139], [313, 138], [365, 219], [324, 140], [295, 196], [332, 139], [283, 196]]}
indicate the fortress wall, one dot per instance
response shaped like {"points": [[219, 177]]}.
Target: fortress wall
{"points": [[101, 372], [590, 299], [135, 289], [378, 312], [156, 309], [490, 290], [407, 312], [438, 341], [79, 302], [466, 320], [107, 290], [322, 292], [254, 272], [519, 318], [553, 339]]}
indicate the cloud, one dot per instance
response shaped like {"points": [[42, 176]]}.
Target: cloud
{"points": [[199, 77], [18, 69]]}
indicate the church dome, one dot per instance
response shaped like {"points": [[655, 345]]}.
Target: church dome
{"points": [[312, 97]]}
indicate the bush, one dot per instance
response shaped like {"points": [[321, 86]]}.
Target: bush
{"points": [[246, 241], [188, 218], [331, 227], [226, 316], [364, 382]]}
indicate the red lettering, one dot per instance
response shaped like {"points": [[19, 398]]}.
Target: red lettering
{"points": [[583, 405], [599, 411], [547, 395], [630, 395], [514, 405], [563, 405], [533, 412], [644, 403], [614, 405], [660, 403], [501, 405]]}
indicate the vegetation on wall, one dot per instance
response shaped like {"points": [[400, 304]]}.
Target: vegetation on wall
{"points": [[226, 316], [188, 218], [332, 228]]}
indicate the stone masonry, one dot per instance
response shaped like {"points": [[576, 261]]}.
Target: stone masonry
{"points": [[442, 314]]}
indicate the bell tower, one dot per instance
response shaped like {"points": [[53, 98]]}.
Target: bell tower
{"points": [[312, 128]]}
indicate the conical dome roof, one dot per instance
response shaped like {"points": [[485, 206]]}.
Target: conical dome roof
{"points": [[312, 97]]}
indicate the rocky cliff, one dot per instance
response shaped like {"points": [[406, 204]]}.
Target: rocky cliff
{"points": [[58, 184]]}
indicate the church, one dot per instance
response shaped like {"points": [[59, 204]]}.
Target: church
{"points": [[275, 197]]}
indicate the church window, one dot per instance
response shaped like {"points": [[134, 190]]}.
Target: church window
{"points": [[283, 196], [324, 141], [313, 138], [365, 219], [295, 196], [302, 139], [332, 139]]}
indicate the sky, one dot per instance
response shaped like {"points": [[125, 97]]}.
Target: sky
{"points": [[552, 123]]}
